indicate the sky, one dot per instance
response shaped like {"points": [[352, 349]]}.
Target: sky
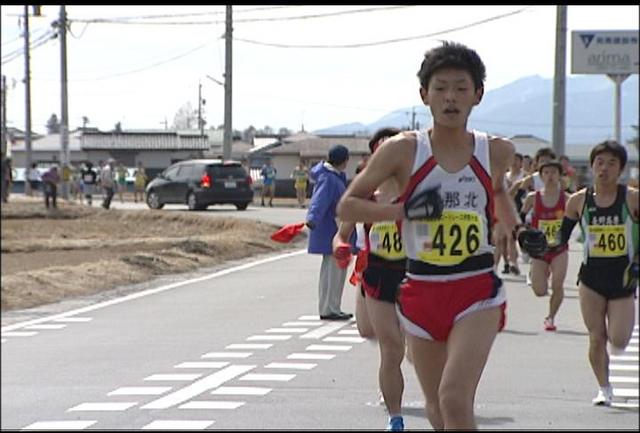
{"points": [[140, 71]]}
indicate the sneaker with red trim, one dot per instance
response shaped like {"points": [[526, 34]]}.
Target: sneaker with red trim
{"points": [[548, 324]]}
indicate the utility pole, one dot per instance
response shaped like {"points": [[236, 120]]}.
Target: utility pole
{"points": [[27, 95], [617, 80], [413, 118], [559, 82], [5, 149], [226, 143], [64, 114], [200, 125]]}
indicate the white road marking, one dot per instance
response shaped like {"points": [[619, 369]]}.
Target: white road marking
{"points": [[327, 347], [177, 425], [19, 334], [287, 330], [177, 377], [199, 404], [268, 377], [323, 331], [250, 346], [140, 390], [291, 365], [316, 317], [623, 379], [227, 355], [302, 323], [103, 406], [349, 332], [59, 425], [345, 339], [241, 390], [311, 356], [626, 392], [73, 319], [143, 293], [627, 404], [46, 326], [623, 367], [212, 381], [269, 337], [202, 364], [624, 358]]}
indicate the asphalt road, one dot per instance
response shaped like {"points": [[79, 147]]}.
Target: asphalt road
{"points": [[240, 347]]}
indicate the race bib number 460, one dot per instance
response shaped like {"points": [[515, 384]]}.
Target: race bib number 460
{"points": [[450, 239], [607, 241]]}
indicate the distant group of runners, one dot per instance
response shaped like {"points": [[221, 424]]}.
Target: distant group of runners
{"points": [[430, 199]]}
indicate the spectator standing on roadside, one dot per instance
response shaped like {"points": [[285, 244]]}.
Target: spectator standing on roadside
{"points": [[268, 174], [50, 181], [121, 172], [34, 179], [330, 184], [301, 176], [140, 181], [108, 181], [89, 181]]}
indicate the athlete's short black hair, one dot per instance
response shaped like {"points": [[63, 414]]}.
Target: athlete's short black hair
{"points": [[452, 55], [382, 133], [545, 151], [611, 146], [518, 156]]}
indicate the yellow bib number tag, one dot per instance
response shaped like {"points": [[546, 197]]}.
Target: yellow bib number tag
{"points": [[550, 228], [607, 241], [450, 239], [386, 241]]}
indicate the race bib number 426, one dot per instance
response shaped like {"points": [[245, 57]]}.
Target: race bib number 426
{"points": [[607, 241], [450, 239]]}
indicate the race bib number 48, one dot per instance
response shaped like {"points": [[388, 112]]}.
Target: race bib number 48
{"points": [[385, 241], [607, 241], [450, 239]]}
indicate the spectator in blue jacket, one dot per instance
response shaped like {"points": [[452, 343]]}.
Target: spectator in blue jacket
{"points": [[330, 183]]}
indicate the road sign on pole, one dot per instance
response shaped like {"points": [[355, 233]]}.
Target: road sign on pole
{"points": [[604, 52]]}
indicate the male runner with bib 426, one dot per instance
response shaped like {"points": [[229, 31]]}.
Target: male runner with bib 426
{"points": [[451, 304]]}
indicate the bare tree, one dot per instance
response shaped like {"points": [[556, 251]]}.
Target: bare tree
{"points": [[186, 117], [53, 124]]}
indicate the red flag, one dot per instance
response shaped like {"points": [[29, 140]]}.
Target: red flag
{"points": [[286, 233]]}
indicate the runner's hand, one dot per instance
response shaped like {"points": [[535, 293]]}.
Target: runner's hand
{"points": [[342, 254], [533, 242], [426, 204]]}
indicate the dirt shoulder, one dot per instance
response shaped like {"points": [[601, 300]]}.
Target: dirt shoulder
{"points": [[75, 251]]}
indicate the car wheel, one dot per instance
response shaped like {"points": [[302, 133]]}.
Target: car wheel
{"points": [[153, 201], [242, 206], [192, 202]]}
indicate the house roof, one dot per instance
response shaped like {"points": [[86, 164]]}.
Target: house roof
{"points": [[48, 143], [314, 146], [144, 140]]}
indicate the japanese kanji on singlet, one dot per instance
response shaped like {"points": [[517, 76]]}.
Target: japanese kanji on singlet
{"points": [[449, 260]]}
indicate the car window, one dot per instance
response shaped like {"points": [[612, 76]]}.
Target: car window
{"points": [[171, 172], [185, 172], [226, 171]]}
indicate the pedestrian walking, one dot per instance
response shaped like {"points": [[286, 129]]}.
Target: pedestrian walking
{"points": [[108, 181], [121, 180], [35, 179], [89, 181], [268, 174], [300, 175], [139, 182], [330, 183], [451, 304], [608, 278]]}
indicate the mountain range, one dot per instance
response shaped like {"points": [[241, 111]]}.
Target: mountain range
{"points": [[525, 106]]}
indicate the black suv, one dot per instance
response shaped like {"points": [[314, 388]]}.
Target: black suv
{"points": [[200, 183]]}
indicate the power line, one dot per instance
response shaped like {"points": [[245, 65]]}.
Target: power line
{"points": [[240, 20], [389, 41], [36, 43]]}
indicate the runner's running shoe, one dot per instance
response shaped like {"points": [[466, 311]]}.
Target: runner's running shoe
{"points": [[395, 424], [604, 397], [548, 324]]}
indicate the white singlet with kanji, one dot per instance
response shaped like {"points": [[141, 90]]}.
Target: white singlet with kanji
{"points": [[464, 230]]}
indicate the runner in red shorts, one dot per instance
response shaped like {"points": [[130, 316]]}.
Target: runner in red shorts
{"points": [[451, 304], [548, 206]]}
